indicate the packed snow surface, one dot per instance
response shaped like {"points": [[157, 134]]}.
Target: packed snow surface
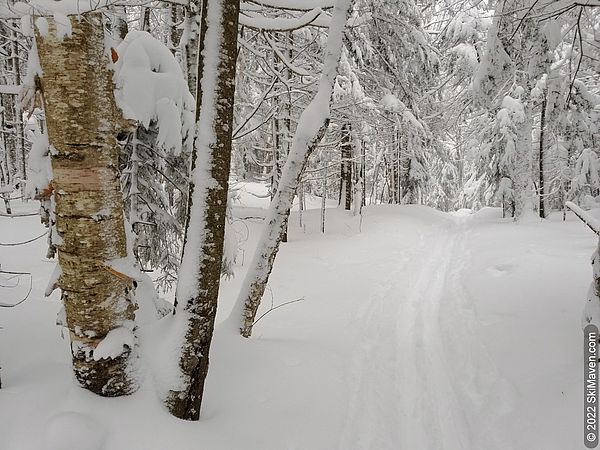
{"points": [[418, 330]]}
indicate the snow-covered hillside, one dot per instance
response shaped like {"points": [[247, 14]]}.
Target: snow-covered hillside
{"points": [[417, 330]]}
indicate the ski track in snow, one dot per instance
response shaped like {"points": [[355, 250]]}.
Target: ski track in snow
{"points": [[441, 387]]}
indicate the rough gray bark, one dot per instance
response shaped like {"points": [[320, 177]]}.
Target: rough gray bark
{"points": [[199, 304], [83, 121]]}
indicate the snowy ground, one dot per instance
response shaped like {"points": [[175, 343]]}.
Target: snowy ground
{"points": [[422, 331]]}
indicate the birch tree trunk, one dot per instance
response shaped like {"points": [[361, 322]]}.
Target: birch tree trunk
{"points": [[83, 122], [310, 130], [200, 271]]}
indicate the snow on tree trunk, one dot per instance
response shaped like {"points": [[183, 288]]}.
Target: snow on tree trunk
{"points": [[83, 121], [200, 271], [10, 137], [523, 167], [346, 168], [310, 130], [542, 192], [190, 44]]}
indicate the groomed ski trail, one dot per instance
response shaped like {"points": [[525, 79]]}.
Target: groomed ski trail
{"points": [[405, 393]]}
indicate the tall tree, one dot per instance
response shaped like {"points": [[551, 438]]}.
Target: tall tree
{"points": [[200, 271], [83, 122], [345, 197], [310, 130], [518, 54]]}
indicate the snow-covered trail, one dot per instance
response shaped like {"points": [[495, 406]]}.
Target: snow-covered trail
{"points": [[419, 330], [406, 392]]}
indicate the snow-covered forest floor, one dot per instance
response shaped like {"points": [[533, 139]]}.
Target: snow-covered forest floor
{"points": [[418, 330]]}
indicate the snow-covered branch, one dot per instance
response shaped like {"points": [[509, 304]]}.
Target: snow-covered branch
{"points": [[261, 22], [591, 222]]}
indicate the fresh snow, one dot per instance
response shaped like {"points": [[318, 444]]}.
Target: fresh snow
{"points": [[115, 343], [423, 331], [254, 20], [151, 87], [313, 120], [392, 103], [63, 26]]}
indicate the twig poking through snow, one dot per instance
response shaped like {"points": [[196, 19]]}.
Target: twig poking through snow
{"points": [[273, 308]]}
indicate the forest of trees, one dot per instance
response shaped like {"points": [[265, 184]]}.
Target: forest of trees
{"points": [[132, 122]]}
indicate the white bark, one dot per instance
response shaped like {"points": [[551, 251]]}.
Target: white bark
{"points": [[83, 122]]}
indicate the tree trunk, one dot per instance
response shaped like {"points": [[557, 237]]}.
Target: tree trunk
{"points": [[523, 166], [310, 130], [541, 166], [346, 168], [145, 19], [301, 204], [6, 198], [10, 136], [20, 139], [83, 121], [323, 194], [200, 272], [174, 28], [278, 159], [190, 50], [360, 191]]}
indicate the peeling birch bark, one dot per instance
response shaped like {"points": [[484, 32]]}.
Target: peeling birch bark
{"points": [[83, 121]]}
